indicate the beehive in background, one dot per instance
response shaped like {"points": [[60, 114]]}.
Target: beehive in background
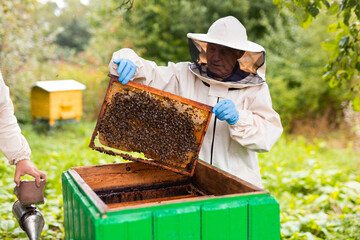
{"points": [[58, 99]]}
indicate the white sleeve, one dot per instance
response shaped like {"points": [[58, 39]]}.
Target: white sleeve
{"points": [[259, 126], [12, 143], [149, 73], [127, 53]]}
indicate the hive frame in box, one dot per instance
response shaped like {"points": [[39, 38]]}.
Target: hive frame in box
{"points": [[202, 111], [122, 175]]}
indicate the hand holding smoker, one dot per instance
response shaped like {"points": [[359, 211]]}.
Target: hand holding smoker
{"points": [[25, 210]]}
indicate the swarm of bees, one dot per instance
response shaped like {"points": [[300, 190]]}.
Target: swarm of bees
{"points": [[139, 122]]}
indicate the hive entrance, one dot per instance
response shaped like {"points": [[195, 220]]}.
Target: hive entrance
{"points": [[130, 196]]}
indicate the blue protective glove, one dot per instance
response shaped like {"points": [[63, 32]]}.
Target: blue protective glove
{"points": [[126, 70], [226, 110]]}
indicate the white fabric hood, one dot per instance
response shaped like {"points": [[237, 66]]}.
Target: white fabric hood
{"points": [[229, 32]]}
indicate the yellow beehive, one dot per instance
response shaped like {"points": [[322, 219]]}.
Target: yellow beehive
{"points": [[58, 99]]}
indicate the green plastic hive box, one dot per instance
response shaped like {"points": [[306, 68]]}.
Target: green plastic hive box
{"points": [[137, 201]]}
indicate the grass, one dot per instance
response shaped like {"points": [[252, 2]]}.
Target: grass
{"points": [[317, 185]]}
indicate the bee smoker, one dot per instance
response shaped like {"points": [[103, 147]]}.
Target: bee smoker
{"points": [[30, 219]]}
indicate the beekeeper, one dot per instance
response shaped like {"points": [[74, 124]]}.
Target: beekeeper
{"points": [[12, 143], [228, 73]]}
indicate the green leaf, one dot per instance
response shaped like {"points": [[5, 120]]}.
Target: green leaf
{"points": [[332, 28], [357, 65], [356, 104], [290, 6], [326, 3], [306, 23], [278, 2], [327, 75], [333, 82], [334, 8], [313, 10], [7, 224], [347, 14], [329, 45], [344, 41], [343, 5], [357, 11]]}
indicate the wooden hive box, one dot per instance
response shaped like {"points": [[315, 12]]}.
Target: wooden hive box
{"points": [[155, 199], [55, 100]]}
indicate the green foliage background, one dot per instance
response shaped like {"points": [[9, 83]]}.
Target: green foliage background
{"points": [[316, 182], [343, 65], [156, 30]]}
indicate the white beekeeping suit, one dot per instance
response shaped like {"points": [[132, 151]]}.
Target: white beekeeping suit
{"points": [[232, 148]]}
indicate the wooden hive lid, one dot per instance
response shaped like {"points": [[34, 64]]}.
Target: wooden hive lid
{"points": [[144, 124]]}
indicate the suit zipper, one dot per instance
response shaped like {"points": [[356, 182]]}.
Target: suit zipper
{"points": [[213, 139]]}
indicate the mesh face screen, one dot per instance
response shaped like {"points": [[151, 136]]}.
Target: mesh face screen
{"points": [[194, 51], [249, 62]]}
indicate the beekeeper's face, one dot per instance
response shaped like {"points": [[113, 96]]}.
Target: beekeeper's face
{"points": [[221, 60]]}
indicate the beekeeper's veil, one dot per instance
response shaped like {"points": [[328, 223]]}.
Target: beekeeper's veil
{"points": [[229, 32]]}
